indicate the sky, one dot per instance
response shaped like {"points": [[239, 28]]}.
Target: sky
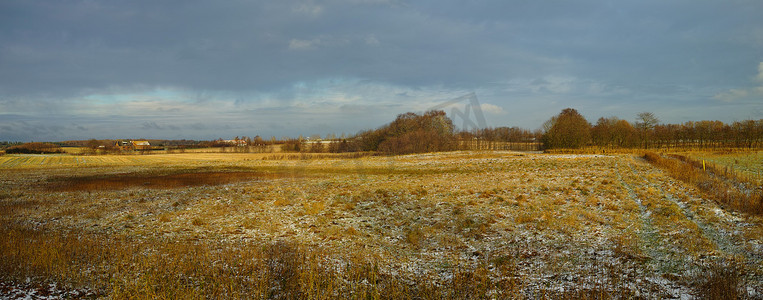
{"points": [[219, 69]]}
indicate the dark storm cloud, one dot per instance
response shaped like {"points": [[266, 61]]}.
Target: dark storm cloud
{"points": [[19, 129], [73, 46], [162, 67]]}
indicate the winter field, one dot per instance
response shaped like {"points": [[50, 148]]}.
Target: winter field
{"points": [[495, 225]]}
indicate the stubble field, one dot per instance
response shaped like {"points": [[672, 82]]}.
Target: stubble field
{"points": [[445, 225]]}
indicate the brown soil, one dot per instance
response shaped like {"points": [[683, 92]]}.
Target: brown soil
{"points": [[124, 181]]}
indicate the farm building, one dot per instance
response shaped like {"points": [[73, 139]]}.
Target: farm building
{"points": [[141, 145], [133, 145], [124, 146]]}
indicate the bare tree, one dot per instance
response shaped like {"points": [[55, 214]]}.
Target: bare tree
{"points": [[645, 123]]}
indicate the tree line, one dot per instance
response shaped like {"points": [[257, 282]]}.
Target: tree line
{"points": [[433, 131], [569, 129]]}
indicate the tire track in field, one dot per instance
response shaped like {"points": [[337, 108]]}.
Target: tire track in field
{"points": [[709, 231], [13, 161], [4, 161], [664, 262], [652, 243], [727, 240]]}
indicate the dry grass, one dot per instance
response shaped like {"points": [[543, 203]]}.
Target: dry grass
{"points": [[307, 156], [461, 225], [122, 269], [721, 280]]}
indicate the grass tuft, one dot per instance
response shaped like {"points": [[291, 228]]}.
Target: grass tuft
{"points": [[720, 280]]}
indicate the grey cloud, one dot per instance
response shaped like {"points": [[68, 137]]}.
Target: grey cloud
{"points": [[79, 127], [151, 125], [21, 130], [244, 48], [197, 126], [56, 54]]}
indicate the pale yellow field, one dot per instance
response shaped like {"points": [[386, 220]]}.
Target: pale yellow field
{"points": [[25, 161]]}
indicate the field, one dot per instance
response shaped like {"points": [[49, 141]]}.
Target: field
{"points": [[496, 225], [745, 164]]}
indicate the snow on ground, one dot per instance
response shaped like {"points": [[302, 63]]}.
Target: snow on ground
{"points": [[29, 290], [562, 222]]}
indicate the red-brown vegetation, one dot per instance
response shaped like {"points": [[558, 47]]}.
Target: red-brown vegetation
{"points": [[179, 180]]}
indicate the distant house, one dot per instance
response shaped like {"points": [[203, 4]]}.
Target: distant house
{"points": [[133, 145], [124, 146]]}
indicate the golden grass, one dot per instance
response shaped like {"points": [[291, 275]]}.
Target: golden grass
{"points": [[434, 226], [22, 161], [123, 269]]}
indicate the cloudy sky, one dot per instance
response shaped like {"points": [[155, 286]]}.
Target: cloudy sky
{"points": [[210, 69]]}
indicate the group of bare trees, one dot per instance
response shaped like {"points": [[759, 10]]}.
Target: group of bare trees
{"points": [[434, 131], [569, 129], [412, 133], [617, 133], [614, 132], [709, 134], [408, 133], [500, 138]]}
